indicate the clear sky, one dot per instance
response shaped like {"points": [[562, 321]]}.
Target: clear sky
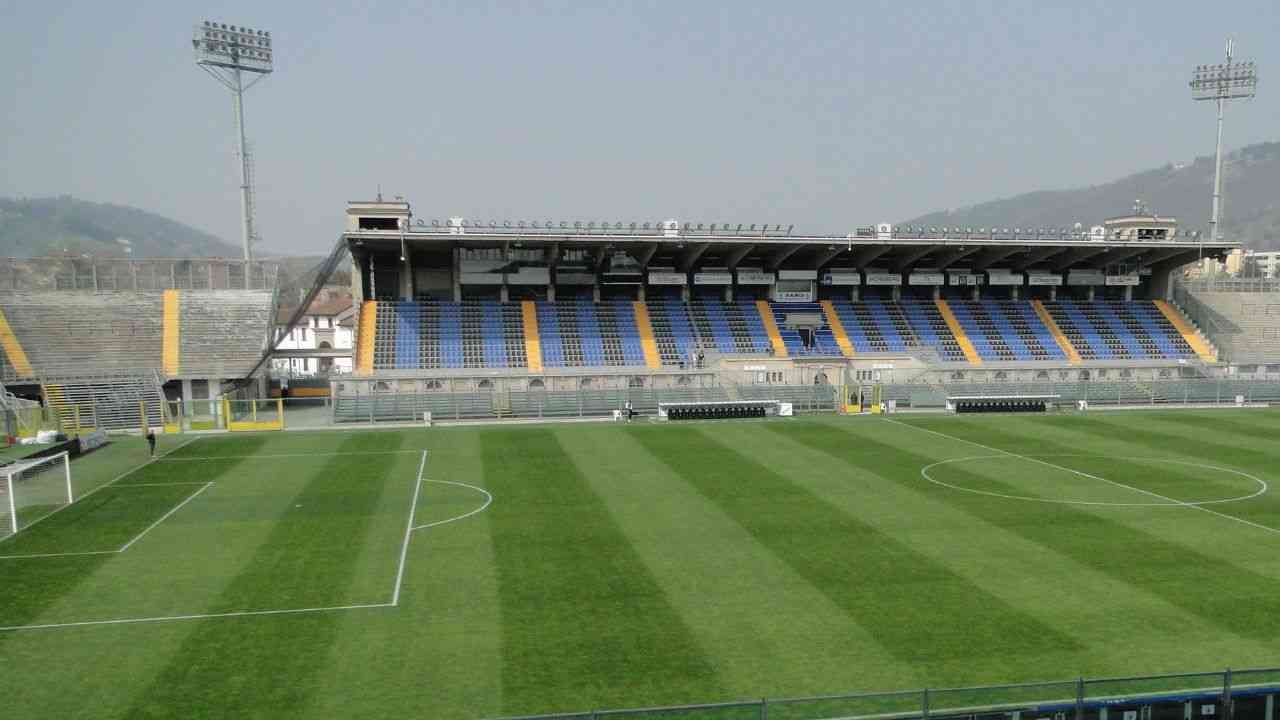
{"points": [[828, 115]]}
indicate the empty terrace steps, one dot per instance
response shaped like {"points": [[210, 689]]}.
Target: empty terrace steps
{"points": [[1063, 341], [532, 343], [13, 349], [771, 328], [647, 341], [1189, 333], [966, 346], [837, 328]]}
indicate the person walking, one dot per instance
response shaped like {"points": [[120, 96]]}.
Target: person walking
{"points": [[151, 441]]}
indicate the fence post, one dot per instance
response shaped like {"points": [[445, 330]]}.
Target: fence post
{"points": [[764, 709], [924, 704], [1080, 699], [1228, 709]]}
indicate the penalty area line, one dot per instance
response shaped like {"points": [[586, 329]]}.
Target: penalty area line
{"points": [[408, 530], [269, 456], [1166, 498]]}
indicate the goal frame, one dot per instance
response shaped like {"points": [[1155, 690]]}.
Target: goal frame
{"points": [[20, 466]]}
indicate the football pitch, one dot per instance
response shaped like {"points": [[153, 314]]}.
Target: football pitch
{"points": [[497, 571]]}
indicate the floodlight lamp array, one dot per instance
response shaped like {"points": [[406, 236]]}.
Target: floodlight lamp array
{"points": [[233, 46]]}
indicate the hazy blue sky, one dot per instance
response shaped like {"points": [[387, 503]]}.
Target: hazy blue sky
{"points": [[828, 115]]}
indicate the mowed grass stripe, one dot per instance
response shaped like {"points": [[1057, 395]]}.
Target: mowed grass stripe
{"points": [[439, 654], [309, 559], [729, 588], [584, 623], [896, 593], [1213, 589], [30, 588]]}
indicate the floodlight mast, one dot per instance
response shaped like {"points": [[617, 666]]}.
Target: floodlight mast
{"points": [[1221, 83], [226, 52]]}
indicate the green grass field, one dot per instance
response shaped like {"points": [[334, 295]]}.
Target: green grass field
{"points": [[280, 575]]}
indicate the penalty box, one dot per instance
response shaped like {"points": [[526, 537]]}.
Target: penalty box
{"points": [[171, 539]]}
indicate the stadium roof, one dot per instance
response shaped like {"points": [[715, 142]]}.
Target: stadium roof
{"points": [[900, 249]]}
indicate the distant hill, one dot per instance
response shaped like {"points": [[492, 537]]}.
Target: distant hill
{"points": [[1251, 208], [35, 227]]}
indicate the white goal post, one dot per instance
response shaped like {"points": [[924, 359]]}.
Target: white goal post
{"points": [[32, 489]]}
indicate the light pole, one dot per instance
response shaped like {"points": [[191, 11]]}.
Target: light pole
{"points": [[227, 52], [1224, 82]]}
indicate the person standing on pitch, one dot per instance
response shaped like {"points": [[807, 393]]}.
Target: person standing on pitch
{"points": [[151, 441]]}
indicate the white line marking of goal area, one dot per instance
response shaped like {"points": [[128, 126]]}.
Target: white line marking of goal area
{"points": [[200, 616], [1172, 501], [268, 456], [128, 544], [395, 597], [106, 484]]}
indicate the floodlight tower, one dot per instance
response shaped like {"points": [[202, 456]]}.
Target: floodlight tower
{"points": [[227, 52], [1228, 81]]}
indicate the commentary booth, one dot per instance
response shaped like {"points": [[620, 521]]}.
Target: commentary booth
{"points": [[1001, 403]]}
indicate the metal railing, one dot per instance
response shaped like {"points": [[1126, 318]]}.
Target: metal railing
{"points": [[1225, 695]]}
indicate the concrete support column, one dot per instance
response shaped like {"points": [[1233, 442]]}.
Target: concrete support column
{"points": [[551, 293], [1091, 291], [1053, 293], [457, 275], [974, 295], [728, 293], [504, 293], [1128, 293], [595, 291], [937, 292], [684, 293], [897, 293], [214, 393], [854, 293], [186, 401], [1013, 292], [640, 292]]}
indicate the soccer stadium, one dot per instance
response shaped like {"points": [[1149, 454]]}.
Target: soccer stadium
{"points": [[661, 468], [709, 471]]}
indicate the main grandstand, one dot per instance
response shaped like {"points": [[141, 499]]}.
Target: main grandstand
{"points": [[451, 305], [116, 343]]}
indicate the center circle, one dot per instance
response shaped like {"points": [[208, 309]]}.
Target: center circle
{"points": [[1158, 500]]}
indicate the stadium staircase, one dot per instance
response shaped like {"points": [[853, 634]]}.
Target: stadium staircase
{"points": [[108, 402]]}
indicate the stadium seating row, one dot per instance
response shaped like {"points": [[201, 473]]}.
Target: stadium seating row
{"points": [[577, 332]]}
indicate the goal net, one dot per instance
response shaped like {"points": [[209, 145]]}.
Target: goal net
{"points": [[32, 489]]}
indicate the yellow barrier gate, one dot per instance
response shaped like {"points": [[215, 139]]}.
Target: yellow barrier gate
{"points": [[253, 415]]}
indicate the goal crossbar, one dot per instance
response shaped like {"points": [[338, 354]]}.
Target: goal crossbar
{"points": [[35, 483]]}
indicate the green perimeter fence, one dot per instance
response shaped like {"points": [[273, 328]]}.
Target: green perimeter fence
{"points": [[393, 406], [1225, 695]]}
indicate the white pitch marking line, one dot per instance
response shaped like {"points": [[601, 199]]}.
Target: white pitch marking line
{"points": [[1172, 501], [164, 484], [202, 616], [110, 482], [126, 546], [165, 516], [266, 456], [487, 502], [65, 554], [408, 530]]}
